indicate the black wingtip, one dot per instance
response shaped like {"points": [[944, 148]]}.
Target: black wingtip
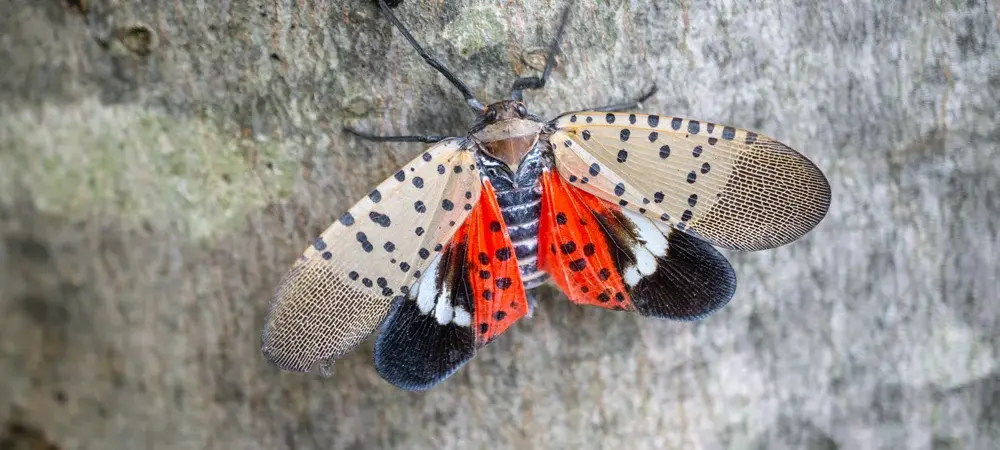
{"points": [[691, 282], [414, 352]]}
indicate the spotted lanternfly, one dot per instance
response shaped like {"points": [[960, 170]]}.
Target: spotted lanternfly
{"points": [[619, 210]]}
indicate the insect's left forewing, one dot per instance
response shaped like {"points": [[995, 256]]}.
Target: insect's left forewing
{"points": [[730, 187], [342, 287]]}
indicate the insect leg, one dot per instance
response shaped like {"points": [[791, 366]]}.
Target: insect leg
{"points": [[534, 82], [532, 304], [470, 99], [637, 103], [404, 138]]}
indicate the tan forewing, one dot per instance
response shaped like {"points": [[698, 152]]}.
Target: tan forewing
{"points": [[342, 287], [733, 188]]}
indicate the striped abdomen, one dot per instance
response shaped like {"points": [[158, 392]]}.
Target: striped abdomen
{"points": [[521, 209]]}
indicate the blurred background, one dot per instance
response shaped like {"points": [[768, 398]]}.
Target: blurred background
{"points": [[162, 163]]}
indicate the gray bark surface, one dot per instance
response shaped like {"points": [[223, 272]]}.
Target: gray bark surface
{"points": [[163, 163]]}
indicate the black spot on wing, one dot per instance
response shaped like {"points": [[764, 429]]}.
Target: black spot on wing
{"points": [[728, 133], [381, 219], [693, 126]]}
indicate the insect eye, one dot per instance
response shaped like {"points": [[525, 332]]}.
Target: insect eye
{"points": [[521, 110], [491, 115]]}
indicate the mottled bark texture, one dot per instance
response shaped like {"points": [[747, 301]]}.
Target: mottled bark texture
{"points": [[163, 162]]}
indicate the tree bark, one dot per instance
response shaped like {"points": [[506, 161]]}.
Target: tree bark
{"points": [[163, 163]]}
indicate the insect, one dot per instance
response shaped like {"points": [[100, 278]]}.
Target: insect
{"points": [[619, 210]]}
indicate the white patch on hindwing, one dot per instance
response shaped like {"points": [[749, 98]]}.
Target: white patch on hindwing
{"points": [[444, 311], [438, 303], [654, 239], [650, 244], [631, 276], [427, 292], [462, 317]]}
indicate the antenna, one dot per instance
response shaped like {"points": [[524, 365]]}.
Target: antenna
{"points": [[470, 99], [534, 82]]}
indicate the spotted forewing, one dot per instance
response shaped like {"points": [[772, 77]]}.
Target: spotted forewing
{"points": [[342, 286], [733, 188]]}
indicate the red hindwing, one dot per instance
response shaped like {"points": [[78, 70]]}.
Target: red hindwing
{"points": [[573, 247], [491, 269]]}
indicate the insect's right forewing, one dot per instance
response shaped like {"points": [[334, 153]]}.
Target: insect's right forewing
{"points": [[733, 188], [342, 287]]}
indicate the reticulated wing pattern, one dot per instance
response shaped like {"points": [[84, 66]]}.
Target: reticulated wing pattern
{"points": [[733, 188], [342, 287]]}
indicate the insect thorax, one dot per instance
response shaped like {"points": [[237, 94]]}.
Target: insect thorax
{"points": [[519, 195], [507, 132]]}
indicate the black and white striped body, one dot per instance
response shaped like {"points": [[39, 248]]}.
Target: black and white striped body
{"points": [[519, 195]]}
